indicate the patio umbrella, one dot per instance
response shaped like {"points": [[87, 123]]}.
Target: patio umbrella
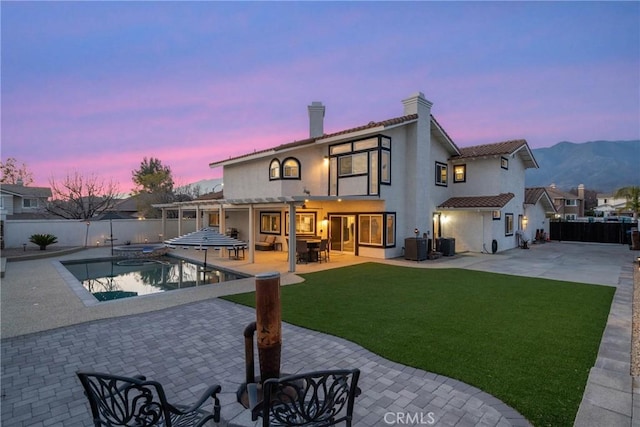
{"points": [[111, 215], [205, 238]]}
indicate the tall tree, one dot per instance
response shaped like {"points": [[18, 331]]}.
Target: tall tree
{"points": [[154, 184], [12, 173], [632, 196], [81, 197]]}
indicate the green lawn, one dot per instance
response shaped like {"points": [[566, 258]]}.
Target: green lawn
{"points": [[530, 342]]}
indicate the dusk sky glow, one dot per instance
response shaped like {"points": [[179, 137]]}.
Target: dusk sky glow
{"points": [[95, 87]]}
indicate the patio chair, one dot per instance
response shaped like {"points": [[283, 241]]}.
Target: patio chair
{"points": [[322, 398], [135, 401], [302, 251], [324, 250]]}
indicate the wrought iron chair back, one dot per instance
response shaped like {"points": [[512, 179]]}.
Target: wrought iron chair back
{"points": [[135, 401], [324, 250], [323, 398], [302, 251]]}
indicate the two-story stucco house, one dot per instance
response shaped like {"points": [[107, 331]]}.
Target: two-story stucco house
{"points": [[18, 200], [368, 188]]}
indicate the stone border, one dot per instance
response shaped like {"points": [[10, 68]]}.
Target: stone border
{"points": [[608, 396]]}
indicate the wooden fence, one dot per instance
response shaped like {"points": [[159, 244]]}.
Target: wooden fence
{"points": [[600, 232]]}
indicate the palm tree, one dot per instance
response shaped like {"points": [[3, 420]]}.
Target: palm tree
{"points": [[632, 196]]}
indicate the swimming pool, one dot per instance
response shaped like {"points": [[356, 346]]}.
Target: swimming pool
{"points": [[109, 279]]}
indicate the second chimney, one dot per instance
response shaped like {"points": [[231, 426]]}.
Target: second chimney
{"points": [[316, 119]]}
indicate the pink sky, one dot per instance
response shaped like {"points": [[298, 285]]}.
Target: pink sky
{"points": [[96, 87]]}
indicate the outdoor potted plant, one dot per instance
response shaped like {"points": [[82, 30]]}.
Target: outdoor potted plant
{"points": [[43, 240]]}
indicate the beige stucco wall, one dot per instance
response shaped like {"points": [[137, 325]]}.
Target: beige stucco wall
{"points": [[77, 233]]}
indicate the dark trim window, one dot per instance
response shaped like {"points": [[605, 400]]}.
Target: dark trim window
{"points": [[305, 223], [369, 157], [377, 229], [504, 163], [441, 174], [459, 173], [385, 167], [291, 168], [354, 164], [270, 222], [508, 224], [274, 170]]}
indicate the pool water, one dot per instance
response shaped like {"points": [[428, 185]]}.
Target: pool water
{"points": [[109, 279]]}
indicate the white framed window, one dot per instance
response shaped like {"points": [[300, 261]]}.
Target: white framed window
{"points": [[29, 203], [291, 168], [305, 223], [274, 169], [571, 202]]}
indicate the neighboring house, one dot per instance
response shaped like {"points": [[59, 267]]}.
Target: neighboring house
{"points": [[368, 188], [608, 205], [569, 206], [23, 202]]}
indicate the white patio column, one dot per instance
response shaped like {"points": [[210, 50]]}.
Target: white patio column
{"points": [[252, 232], [292, 237], [180, 221], [164, 224], [221, 220], [198, 222]]}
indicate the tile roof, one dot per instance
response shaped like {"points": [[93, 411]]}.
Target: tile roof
{"points": [[556, 193], [535, 195], [23, 190], [498, 148], [371, 125], [486, 202], [532, 195]]}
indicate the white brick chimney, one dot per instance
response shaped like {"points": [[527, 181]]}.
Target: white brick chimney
{"points": [[417, 104], [316, 119]]}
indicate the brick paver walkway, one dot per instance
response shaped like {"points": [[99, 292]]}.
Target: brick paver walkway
{"points": [[190, 347]]}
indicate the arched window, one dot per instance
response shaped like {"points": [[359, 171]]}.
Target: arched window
{"points": [[274, 169], [291, 168]]}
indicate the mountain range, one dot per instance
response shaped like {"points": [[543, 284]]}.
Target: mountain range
{"points": [[602, 166]]}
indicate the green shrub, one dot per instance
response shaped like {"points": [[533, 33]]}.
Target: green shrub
{"points": [[43, 240]]}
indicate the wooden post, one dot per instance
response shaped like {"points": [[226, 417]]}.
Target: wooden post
{"points": [[268, 324]]}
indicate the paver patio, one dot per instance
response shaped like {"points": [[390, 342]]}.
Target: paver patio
{"points": [[190, 346]]}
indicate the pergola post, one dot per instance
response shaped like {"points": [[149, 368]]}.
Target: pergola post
{"points": [[292, 237], [252, 232]]}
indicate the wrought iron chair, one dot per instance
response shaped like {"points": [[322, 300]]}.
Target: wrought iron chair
{"points": [[125, 401], [323, 398], [323, 251], [302, 251]]}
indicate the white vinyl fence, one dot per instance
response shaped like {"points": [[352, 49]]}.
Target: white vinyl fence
{"points": [[94, 233]]}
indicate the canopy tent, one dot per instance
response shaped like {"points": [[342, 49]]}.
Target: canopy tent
{"points": [[206, 238]]}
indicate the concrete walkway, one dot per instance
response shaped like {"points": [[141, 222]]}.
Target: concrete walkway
{"points": [[199, 342]]}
